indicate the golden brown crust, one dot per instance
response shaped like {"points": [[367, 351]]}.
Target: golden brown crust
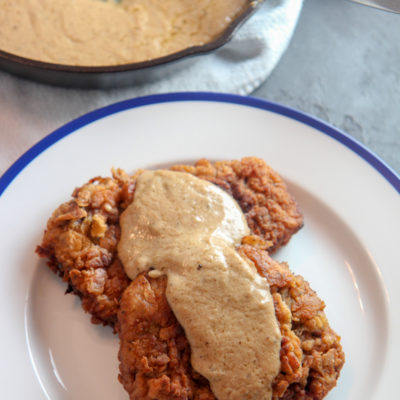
{"points": [[311, 353], [80, 244], [155, 355], [82, 235]]}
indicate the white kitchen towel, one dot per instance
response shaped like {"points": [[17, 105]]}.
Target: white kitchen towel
{"points": [[245, 62], [30, 110]]}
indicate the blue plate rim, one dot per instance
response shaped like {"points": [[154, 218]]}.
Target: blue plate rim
{"points": [[367, 155]]}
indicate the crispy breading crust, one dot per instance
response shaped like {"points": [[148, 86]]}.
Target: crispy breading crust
{"points": [[82, 235], [80, 244], [155, 355]]}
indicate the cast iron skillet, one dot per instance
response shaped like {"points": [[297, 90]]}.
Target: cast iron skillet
{"points": [[118, 75]]}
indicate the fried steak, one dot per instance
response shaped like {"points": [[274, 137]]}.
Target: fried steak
{"points": [[155, 354], [80, 241], [80, 244]]}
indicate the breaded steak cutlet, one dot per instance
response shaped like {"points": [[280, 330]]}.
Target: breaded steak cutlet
{"points": [[155, 354], [80, 241]]}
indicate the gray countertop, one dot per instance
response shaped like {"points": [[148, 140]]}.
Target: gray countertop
{"points": [[341, 66]]}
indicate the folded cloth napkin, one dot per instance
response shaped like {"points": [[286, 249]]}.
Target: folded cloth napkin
{"points": [[30, 110]]}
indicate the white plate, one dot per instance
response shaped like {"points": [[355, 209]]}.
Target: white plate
{"points": [[347, 249]]}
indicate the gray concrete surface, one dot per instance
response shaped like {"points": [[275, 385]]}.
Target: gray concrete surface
{"points": [[343, 66]]}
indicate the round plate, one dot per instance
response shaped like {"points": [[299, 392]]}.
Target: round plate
{"points": [[350, 201]]}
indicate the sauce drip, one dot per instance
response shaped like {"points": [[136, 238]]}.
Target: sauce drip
{"points": [[187, 228]]}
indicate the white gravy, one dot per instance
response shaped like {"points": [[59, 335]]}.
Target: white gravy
{"points": [[187, 228], [99, 33]]}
